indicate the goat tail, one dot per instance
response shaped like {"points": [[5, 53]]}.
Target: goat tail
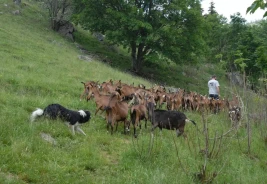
{"points": [[189, 120], [38, 112]]}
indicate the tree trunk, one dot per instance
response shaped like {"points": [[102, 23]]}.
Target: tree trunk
{"points": [[137, 56], [55, 24], [136, 64], [53, 8]]}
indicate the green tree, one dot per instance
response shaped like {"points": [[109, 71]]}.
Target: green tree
{"points": [[212, 8], [147, 27], [256, 5], [241, 65], [237, 27], [259, 32], [216, 29], [59, 11], [249, 40]]}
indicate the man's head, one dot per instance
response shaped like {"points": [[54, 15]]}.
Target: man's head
{"points": [[213, 76]]}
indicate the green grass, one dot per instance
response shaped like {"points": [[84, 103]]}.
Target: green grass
{"points": [[39, 67]]}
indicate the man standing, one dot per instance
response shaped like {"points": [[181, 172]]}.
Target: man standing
{"points": [[214, 90]]}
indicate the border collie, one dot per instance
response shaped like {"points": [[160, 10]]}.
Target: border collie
{"points": [[72, 118]]}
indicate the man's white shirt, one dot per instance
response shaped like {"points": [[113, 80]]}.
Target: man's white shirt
{"points": [[212, 84]]}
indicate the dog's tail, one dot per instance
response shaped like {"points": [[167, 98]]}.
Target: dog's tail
{"points": [[38, 112]]}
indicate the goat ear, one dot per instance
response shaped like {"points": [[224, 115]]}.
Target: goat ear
{"points": [[119, 83]]}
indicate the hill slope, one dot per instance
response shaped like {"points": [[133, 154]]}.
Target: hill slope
{"points": [[39, 67]]}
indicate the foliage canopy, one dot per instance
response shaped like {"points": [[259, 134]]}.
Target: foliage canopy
{"points": [[148, 28], [256, 5]]}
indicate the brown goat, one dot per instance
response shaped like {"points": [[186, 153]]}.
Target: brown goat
{"points": [[126, 91], [177, 101], [116, 112], [109, 87], [233, 103], [204, 104], [101, 100], [214, 105], [222, 104], [161, 98], [158, 88], [169, 100], [86, 88], [138, 112]]}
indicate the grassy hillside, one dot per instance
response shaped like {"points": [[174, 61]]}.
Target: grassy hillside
{"points": [[39, 67]]}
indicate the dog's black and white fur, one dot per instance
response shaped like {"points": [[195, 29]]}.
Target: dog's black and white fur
{"points": [[72, 118]]}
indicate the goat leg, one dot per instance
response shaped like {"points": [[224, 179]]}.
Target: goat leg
{"points": [[124, 127], [107, 126], [155, 125], [97, 110], [112, 126], [135, 132], [117, 123]]}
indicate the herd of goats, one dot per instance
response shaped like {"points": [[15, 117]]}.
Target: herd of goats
{"points": [[163, 109]]}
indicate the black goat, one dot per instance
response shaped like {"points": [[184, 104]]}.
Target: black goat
{"points": [[171, 120]]}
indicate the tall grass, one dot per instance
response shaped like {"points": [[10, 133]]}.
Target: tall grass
{"points": [[39, 67]]}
